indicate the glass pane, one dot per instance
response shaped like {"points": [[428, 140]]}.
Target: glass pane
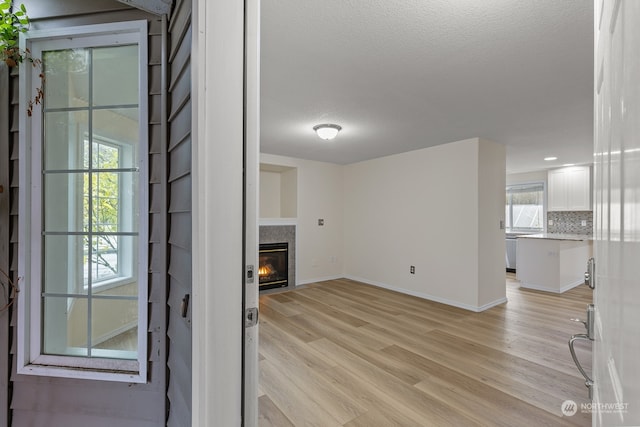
{"points": [[114, 202], [65, 202], [114, 326], [105, 156], [104, 259], [113, 265], [527, 207], [64, 133], [65, 257], [118, 129], [65, 326], [66, 78], [115, 75]]}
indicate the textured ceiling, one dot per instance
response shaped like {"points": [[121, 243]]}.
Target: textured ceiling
{"points": [[402, 75]]}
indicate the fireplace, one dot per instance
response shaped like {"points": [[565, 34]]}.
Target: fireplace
{"points": [[273, 269]]}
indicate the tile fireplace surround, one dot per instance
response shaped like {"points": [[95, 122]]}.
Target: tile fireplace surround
{"points": [[278, 234]]}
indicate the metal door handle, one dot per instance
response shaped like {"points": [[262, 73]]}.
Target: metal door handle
{"points": [[587, 379]]}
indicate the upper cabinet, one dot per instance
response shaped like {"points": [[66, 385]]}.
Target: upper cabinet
{"points": [[569, 189]]}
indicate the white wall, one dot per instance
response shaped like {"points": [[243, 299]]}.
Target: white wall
{"points": [[423, 208], [289, 193], [491, 243], [319, 196], [521, 178], [270, 183]]}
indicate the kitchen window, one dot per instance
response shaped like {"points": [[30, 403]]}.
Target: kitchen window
{"points": [[83, 195], [524, 210]]}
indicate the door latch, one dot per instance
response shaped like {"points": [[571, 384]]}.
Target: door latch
{"points": [[590, 275], [250, 276], [250, 317]]}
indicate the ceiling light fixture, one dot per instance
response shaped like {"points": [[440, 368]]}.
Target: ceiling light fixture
{"points": [[549, 159], [569, 164], [327, 131]]}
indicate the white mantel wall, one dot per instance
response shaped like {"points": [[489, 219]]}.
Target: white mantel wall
{"points": [[319, 196], [438, 209]]}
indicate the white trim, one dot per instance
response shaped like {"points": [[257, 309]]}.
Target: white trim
{"points": [[319, 279], [433, 298], [217, 65], [562, 289], [30, 361], [492, 304], [278, 221]]}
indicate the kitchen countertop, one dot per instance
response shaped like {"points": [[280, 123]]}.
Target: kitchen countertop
{"points": [[557, 236]]}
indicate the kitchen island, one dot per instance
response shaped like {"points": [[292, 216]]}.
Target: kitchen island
{"points": [[553, 262]]}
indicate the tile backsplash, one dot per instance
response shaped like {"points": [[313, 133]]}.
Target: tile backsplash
{"points": [[570, 222]]}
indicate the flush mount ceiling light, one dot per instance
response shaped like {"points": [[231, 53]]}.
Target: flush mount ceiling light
{"points": [[327, 131], [549, 159]]}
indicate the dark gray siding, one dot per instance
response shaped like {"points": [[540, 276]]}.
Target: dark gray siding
{"points": [[5, 192], [179, 329], [40, 401]]}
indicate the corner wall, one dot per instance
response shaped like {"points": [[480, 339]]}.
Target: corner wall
{"points": [[491, 238], [437, 209]]}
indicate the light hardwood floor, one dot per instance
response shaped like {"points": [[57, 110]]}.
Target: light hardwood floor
{"points": [[342, 353]]}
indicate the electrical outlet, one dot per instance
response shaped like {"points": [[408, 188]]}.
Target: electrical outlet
{"points": [[584, 223], [412, 269], [321, 222], [550, 222]]}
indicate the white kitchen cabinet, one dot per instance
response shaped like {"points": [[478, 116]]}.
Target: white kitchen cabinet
{"points": [[569, 189]]}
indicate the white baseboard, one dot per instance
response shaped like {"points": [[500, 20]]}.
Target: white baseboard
{"points": [[441, 300], [492, 304], [562, 289], [319, 279]]}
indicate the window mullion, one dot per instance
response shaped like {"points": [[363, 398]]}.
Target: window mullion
{"points": [[90, 219]]}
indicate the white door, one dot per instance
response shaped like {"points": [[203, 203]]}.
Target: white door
{"points": [[252, 160], [616, 361]]}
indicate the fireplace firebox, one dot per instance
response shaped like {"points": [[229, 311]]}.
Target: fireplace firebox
{"points": [[273, 269]]}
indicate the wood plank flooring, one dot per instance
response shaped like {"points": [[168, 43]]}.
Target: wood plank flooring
{"points": [[342, 353]]}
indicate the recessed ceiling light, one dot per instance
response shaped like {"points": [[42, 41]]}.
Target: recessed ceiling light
{"points": [[549, 159], [327, 131]]}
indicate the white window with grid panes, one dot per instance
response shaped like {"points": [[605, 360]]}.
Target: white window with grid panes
{"points": [[83, 210]]}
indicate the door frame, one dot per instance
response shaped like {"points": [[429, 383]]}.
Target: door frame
{"points": [[251, 198], [222, 131]]}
